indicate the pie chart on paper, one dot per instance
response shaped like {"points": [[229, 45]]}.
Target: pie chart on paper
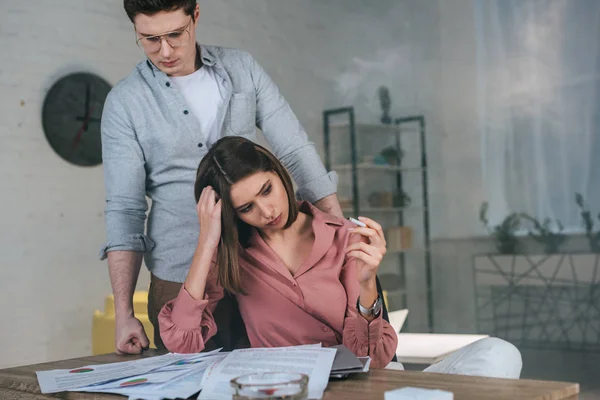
{"points": [[80, 370], [134, 382]]}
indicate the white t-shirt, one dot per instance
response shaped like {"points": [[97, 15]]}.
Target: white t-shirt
{"points": [[201, 92]]}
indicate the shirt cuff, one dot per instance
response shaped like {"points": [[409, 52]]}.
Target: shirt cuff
{"points": [[186, 311], [372, 330], [319, 188], [136, 242]]}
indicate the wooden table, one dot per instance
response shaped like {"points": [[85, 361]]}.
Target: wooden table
{"points": [[21, 383]]}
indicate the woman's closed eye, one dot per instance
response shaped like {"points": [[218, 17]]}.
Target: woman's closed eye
{"points": [[265, 193], [245, 209]]}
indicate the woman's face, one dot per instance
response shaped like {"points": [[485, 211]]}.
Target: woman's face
{"points": [[260, 200]]}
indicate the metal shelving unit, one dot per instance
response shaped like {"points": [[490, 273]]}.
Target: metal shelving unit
{"points": [[412, 125]]}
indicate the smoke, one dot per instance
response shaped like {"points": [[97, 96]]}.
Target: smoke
{"points": [[358, 85]]}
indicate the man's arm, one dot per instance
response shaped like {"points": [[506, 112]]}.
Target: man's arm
{"points": [[124, 269], [331, 205], [290, 143], [125, 183]]}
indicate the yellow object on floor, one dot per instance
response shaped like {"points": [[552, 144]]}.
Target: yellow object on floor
{"points": [[103, 325]]}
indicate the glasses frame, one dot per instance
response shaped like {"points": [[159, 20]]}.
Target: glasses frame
{"points": [[164, 36]]}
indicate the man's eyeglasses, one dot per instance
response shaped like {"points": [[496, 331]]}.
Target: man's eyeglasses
{"points": [[178, 38]]}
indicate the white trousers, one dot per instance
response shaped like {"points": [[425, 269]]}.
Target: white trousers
{"points": [[490, 357]]}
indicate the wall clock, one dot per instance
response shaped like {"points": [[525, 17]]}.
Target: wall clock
{"points": [[71, 117]]}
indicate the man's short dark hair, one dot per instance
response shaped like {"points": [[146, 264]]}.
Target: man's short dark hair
{"points": [[150, 7]]}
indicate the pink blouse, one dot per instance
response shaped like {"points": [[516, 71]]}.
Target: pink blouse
{"points": [[316, 305]]}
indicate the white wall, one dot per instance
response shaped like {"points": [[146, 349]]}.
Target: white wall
{"points": [[52, 212]]}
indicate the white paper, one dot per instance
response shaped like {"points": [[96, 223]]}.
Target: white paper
{"points": [[315, 362], [413, 393], [72, 379], [182, 387]]}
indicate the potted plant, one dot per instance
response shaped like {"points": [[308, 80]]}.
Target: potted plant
{"points": [[543, 233], [588, 224], [534, 299], [503, 233]]}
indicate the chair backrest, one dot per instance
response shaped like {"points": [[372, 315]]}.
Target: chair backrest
{"points": [[384, 308]]}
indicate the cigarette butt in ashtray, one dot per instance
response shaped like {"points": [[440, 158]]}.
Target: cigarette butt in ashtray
{"points": [[357, 222]]}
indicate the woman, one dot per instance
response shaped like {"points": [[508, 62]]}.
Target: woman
{"points": [[299, 275]]}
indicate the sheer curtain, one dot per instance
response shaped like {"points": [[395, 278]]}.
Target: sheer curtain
{"points": [[539, 100]]}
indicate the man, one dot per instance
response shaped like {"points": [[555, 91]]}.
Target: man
{"points": [[157, 124]]}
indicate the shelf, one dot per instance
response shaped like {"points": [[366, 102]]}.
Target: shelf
{"points": [[380, 128], [376, 167], [404, 251], [385, 209], [355, 161]]}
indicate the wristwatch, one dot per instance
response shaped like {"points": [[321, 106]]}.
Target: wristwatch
{"points": [[374, 310]]}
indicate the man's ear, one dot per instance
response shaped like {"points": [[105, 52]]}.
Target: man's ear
{"points": [[196, 15]]}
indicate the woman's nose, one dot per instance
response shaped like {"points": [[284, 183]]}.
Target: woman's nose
{"points": [[267, 210]]}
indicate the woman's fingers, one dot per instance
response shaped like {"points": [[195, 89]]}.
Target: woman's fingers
{"points": [[207, 199], [211, 198], [366, 248], [373, 236], [217, 210], [367, 253], [200, 204], [366, 258], [373, 225], [203, 195], [368, 232]]}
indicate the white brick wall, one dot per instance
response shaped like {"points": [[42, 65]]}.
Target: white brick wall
{"points": [[321, 53]]}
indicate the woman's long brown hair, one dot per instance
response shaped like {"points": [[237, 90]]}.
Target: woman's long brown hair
{"points": [[230, 160]]}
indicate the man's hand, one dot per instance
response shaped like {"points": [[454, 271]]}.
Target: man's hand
{"points": [[130, 337], [330, 205]]}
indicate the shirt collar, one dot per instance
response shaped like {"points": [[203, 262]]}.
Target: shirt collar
{"points": [[321, 220], [207, 57], [318, 215]]}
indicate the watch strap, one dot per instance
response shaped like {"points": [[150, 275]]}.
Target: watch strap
{"points": [[375, 309]]}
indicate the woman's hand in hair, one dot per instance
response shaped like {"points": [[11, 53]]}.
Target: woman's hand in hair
{"points": [[209, 217], [368, 252]]}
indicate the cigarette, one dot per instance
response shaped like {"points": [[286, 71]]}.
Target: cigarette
{"points": [[357, 222]]}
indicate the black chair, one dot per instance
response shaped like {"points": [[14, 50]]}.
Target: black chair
{"points": [[231, 333], [384, 308]]}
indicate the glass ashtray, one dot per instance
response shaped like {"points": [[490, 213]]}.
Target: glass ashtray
{"points": [[271, 386]]}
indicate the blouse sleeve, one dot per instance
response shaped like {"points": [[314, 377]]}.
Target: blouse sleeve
{"points": [[377, 338], [186, 323]]}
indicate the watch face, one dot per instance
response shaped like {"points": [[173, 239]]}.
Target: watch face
{"points": [[71, 118], [378, 305]]}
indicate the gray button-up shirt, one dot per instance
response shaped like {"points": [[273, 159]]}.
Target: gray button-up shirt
{"points": [[152, 145]]}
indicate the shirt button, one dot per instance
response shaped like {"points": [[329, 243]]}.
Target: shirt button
{"points": [[325, 329], [168, 84], [186, 112], [294, 284], [200, 145]]}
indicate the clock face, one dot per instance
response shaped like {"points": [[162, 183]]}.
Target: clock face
{"points": [[71, 117]]}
